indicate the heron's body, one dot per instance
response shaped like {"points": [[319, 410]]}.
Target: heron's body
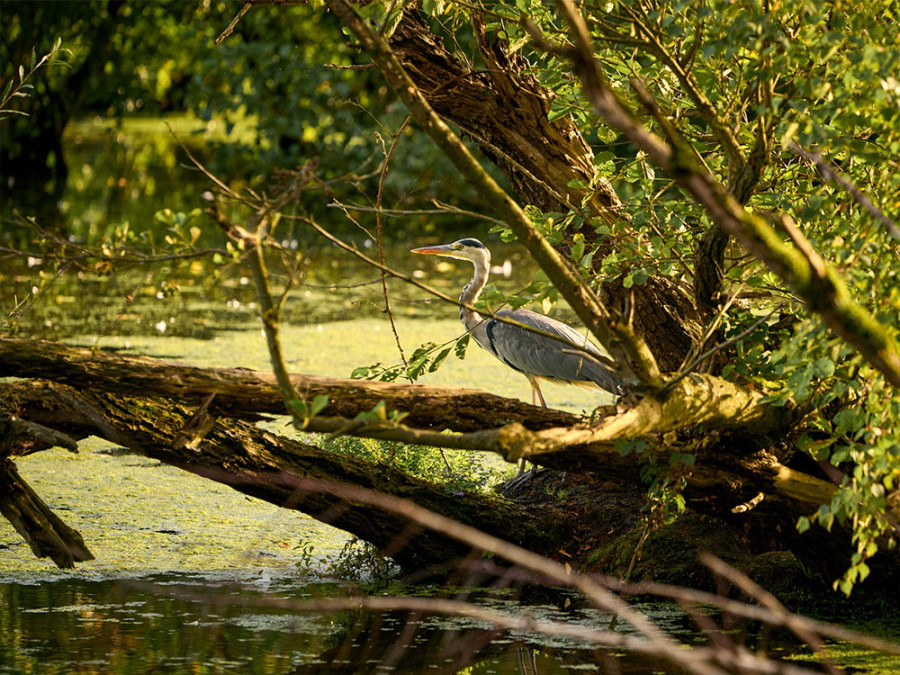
{"points": [[571, 359]]}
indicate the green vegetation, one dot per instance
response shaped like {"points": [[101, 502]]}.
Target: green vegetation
{"points": [[266, 99], [454, 470]]}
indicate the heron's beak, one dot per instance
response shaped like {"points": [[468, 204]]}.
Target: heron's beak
{"points": [[433, 250]]}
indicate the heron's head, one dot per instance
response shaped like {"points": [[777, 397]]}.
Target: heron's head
{"points": [[464, 249]]}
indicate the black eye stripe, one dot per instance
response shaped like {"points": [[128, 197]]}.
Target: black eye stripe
{"points": [[474, 243]]}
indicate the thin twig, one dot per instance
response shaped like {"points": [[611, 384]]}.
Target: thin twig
{"points": [[770, 602], [379, 232], [361, 66], [443, 210], [696, 661], [225, 34], [718, 347]]}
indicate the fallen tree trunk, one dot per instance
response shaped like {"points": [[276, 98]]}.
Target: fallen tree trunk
{"points": [[507, 427], [257, 462], [734, 476], [262, 464], [244, 393]]}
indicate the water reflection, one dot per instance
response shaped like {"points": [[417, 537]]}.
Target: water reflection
{"points": [[118, 626], [190, 624]]}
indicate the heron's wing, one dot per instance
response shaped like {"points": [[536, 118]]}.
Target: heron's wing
{"points": [[544, 356]]}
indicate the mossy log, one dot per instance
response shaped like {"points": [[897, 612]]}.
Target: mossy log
{"points": [[244, 393], [261, 463]]}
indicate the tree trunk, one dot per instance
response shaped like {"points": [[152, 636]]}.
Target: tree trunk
{"points": [[261, 464], [247, 394]]}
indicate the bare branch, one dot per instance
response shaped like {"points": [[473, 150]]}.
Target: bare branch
{"points": [[225, 34], [378, 229], [479, 540], [800, 628]]}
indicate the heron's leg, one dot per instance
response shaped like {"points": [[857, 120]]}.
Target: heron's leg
{"points": [[537, 388], [535, 391]]}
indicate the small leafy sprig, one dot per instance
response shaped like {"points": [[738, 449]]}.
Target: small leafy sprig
{"points": [[427, 358], [20, 87], [303, 412]]}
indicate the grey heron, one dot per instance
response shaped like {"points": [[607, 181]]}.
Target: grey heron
{"points": [[571, 359]]}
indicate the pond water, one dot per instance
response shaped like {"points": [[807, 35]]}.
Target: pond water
{"points": [[192, 577]]}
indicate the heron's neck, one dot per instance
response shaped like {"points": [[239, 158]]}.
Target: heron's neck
{"points": [[469, 295]]}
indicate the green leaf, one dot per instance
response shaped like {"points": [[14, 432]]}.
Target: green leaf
{"points": [[849, 420], [360, 373], [802, 524], [823, 367], [319, 403], [556, 113], [578, 247], [461, 345], [439, 359], [298, 407], [626, 446], [433, 7], [417, 367]]}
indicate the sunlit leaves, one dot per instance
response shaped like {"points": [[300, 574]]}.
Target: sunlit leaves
{"points": [[304, 411], [426, 358], [461, 346]]}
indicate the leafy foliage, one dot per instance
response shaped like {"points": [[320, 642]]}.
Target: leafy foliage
{"points": [[456, 471], [426, 358], [274, 98]]}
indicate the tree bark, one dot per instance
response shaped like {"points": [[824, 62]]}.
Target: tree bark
{"points": [[45, 532], [260, 463], [246, 394]]}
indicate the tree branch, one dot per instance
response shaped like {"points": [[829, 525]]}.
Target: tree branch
{"points": [[245, 393], [831, 173]]}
